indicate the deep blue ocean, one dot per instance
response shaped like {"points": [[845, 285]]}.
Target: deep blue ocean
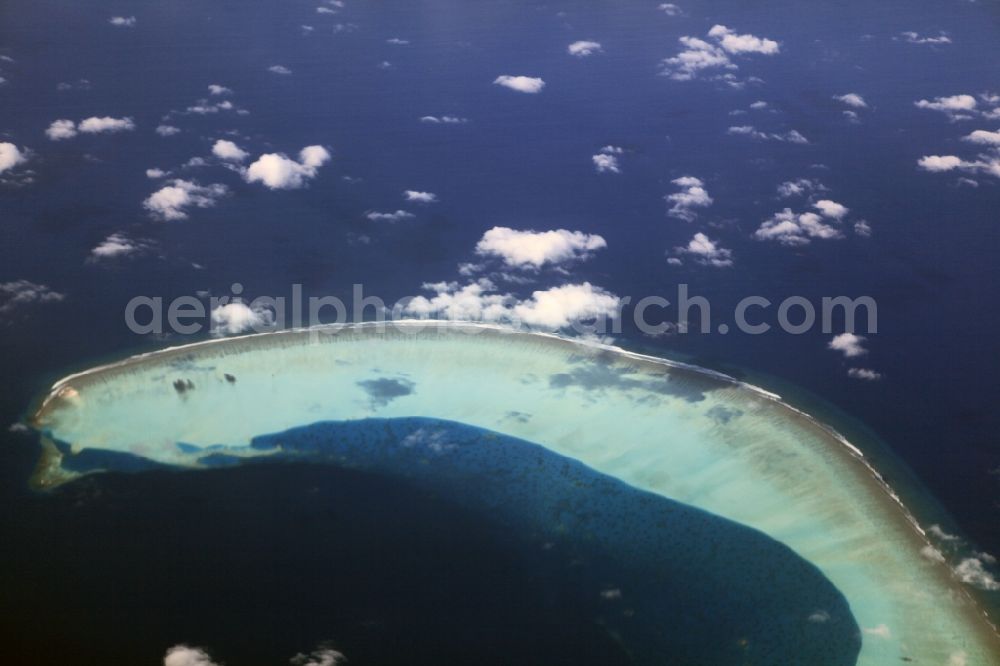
{"points": [[522, 161]]}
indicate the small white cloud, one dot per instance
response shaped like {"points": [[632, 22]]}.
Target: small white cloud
{"points": [[932, 554], [955, 106], [865, 374], [10, 156], [881, 631], [862, 228], [670, 9], [937, 163], [791, 136], [706, 252], [830, 208], [984, 138], [737, 44], [123, 21], [799, 187], [279, 172], [692, 195], [172, 201], [182, 655], [115, 245], [917, 38], [167, 130], [396, 41], [237, 317], [849, 344], [559, 307], [605, 163], [583, 48], [24, 292], [535, 249], [853, 100], [524, 84], [396, 216], [971, 571], [216, 89], [60, 130], [279, 69], [443, 120], [420, 197], [229, 151], [105, 124], [790, 228], [321, 657]]}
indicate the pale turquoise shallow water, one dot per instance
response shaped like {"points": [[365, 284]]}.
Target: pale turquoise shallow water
{"points": [[699, 439]]}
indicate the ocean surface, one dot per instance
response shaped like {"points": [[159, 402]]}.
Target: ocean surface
{"points": [[79, 560]]}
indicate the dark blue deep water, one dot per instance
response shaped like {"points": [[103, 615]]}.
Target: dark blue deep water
{"points": [[522, 161], [495, 549]]}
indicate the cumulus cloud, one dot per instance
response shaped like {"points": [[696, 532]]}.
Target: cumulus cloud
{"points": [[420, 197], [216, 89], [799, 187], [123, 21], [559, 307], [61, 129], [853, 100], [229, 151], [551, 309], [971, 571], [984, 137], [830, 208], [792, 136], [182, 655], [692, 195], [238, 317], [670, 9], [865, 374], [734, 43], [932, 554], [321, 657], [204, 107], [279, 69], [986, 163], [699, 55], [105, 124], [881, 631], [154, 173], [956, 107], [24, 292], [790, 228], [115, 245], [940, 162], [917, 38], [849, 344], [583, 48], [606, 161], [167, 130], [172, 201], [443, 120], [535, 249], [10, 156], [279, 172], [395, 216], [706, 252], [524, 84]]}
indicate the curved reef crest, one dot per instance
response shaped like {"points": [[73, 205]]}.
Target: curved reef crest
{"points": [[696, 437]]}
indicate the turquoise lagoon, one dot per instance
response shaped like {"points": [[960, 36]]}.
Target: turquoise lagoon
{"points": [[742, 509]]}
